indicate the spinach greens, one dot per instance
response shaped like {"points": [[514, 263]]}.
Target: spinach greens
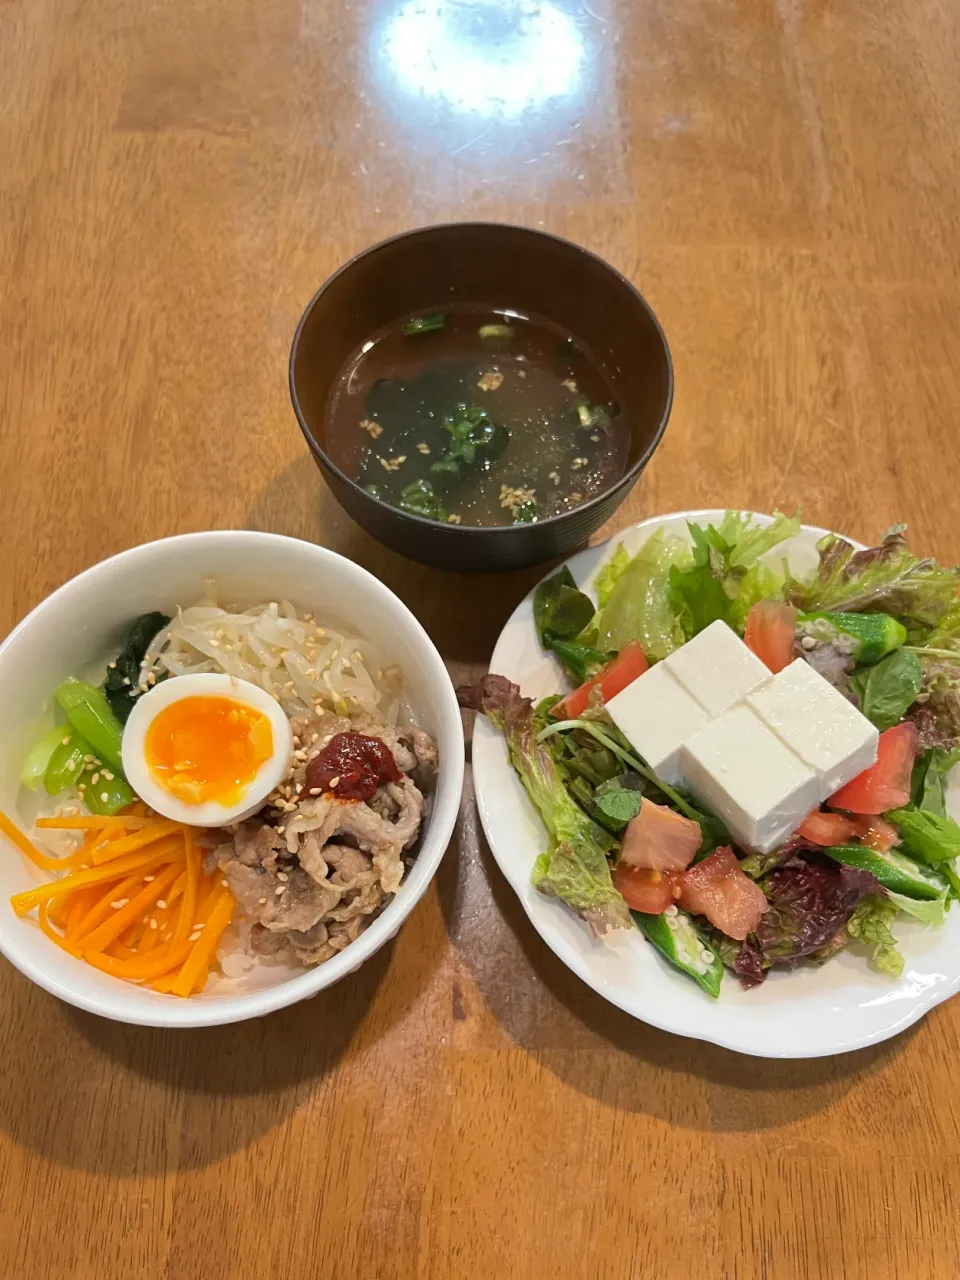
{"points": [[122, 685]]}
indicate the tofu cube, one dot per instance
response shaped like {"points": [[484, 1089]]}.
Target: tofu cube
{"points": [[717, 668], [656, 714], [818, 723], [746, 775]]}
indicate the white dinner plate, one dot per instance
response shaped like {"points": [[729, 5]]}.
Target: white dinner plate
{"points": [[806, 1012]]}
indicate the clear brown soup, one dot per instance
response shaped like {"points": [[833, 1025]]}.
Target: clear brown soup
{"points": [[477, 417]]}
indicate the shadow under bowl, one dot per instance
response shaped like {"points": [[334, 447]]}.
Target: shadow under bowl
{"points": [[500, 267]]}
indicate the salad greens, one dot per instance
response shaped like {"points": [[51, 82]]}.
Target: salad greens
{"points": [[882, 624], [890, 688], [574, 868]]}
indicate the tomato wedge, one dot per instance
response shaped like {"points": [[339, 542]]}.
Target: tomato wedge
{"points": [[646, 890], [876, 833], [886, 784], [718, 889], [660, 839], [771, 633], [629, 663], [827, 828]]}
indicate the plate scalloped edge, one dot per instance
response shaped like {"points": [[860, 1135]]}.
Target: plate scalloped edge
{"points": [[808, 1012]]}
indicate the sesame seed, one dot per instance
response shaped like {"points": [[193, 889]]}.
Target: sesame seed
{"points": [[215, 643], [453, 519], [578, 463], [105, 797], [335, 782], [194, 936], [153, 923], [282, 875], [491, 380], [263, 902], [95, 779], [108, 775], [423, 448], [595, 439], [65, 742], [162, 904], [316, 791], [81, 786], [120, 902], [112, 666], [126, 679], [570, 385], [149, 879], [280, 889]]}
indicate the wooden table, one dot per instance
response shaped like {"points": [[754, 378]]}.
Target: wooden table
{"points": [[781, 181]]}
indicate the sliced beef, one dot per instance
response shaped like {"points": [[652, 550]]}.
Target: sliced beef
{"points": [[406, 795], [297, 902], [424, 747]]}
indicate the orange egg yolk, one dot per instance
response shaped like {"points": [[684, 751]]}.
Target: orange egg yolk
{"points": [[208, 749]]}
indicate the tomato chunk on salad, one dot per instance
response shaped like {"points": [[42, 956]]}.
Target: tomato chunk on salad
{"points": [[771, 633], [646, 890], [629, 663], [886, 784], [718, 889], [827, 828], [660, 839]]}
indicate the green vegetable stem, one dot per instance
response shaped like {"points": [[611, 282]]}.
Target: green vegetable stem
{"points": [[89, 713], [103, 794], [66, 762], [37, 759]]}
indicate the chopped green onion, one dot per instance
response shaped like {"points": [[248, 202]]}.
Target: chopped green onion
{"points": [[425, 324]]}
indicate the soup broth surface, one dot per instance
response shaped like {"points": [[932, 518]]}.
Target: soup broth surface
{"points": [[477, 417]]}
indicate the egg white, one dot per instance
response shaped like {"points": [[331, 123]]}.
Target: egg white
{"points": [[210, 813]]}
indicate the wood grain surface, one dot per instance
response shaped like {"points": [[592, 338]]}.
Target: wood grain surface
{"points": [[781, 180]]}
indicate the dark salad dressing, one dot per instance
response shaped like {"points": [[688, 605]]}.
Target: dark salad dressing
{"points": [[477, 417]]}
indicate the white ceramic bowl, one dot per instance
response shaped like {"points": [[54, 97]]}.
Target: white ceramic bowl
{"points": [[808, 1012], [85, 620]]}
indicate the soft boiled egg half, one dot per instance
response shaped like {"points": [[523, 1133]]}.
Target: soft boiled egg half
{"points": [[206, 749]]}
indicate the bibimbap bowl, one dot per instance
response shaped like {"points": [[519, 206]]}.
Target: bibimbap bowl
{"points": [[76, 630]]}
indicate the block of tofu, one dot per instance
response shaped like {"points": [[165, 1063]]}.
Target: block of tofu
{"points": [[818, 723], [717, 668], [656, 715], [749, 777]]}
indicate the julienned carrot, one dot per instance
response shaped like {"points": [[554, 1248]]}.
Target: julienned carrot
{"points": [[134, 909], [119, 822], [139, 970], [46, 861], [52, 934], [140, 861], [185, 921], [201, 956], [138, 840], [99, 904]]}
